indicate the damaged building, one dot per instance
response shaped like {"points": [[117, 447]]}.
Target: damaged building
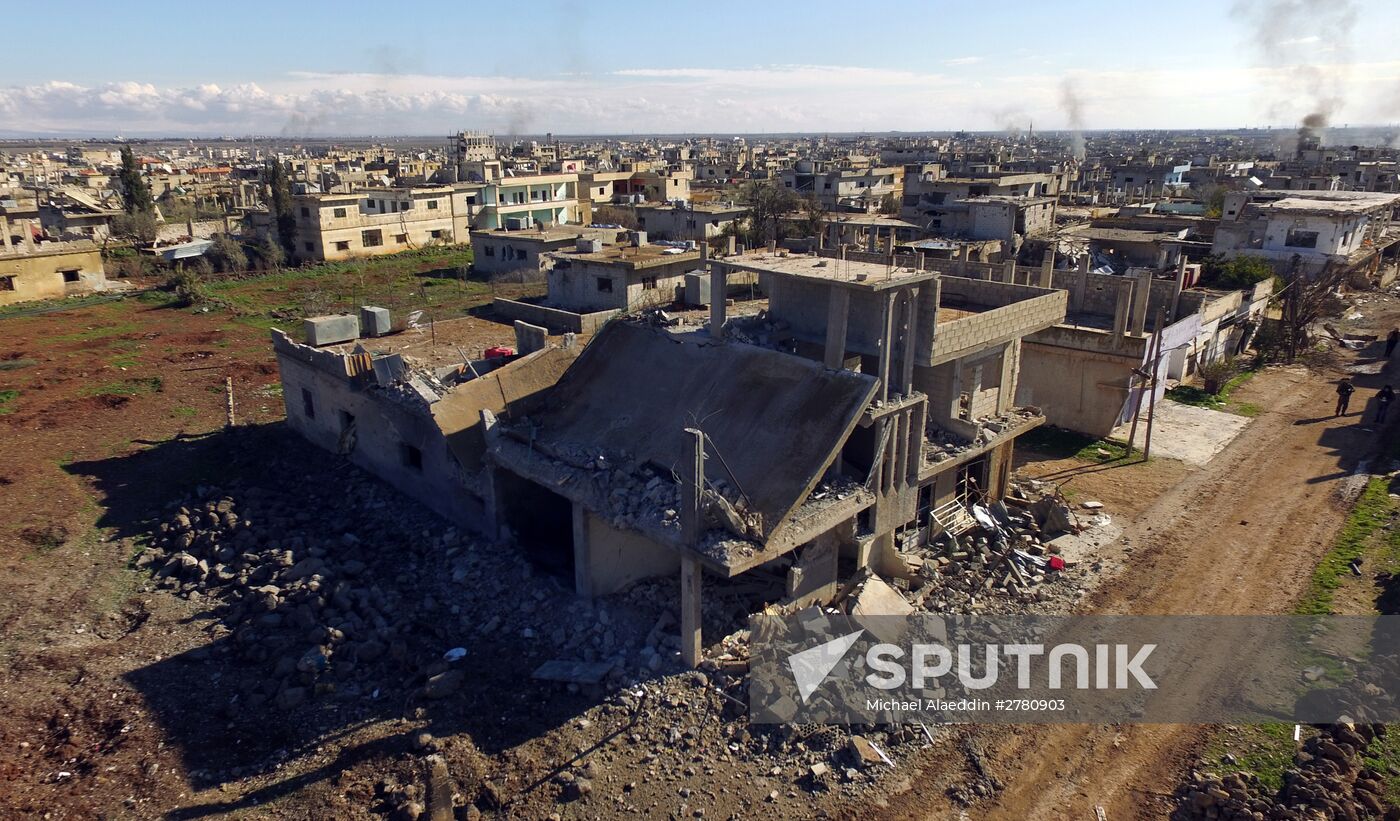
{"points": [[831, 427]]}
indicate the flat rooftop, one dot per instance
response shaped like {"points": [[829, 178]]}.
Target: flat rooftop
{"points": [[636, 255], [873, 276], [1328, 205]]}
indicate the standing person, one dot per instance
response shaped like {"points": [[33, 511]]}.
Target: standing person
{"points": [[1391, 340], [1344, 392], [1384, 397]]}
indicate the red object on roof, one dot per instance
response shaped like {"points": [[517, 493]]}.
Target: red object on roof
{"points": [[1057, 563], [499, 352]]}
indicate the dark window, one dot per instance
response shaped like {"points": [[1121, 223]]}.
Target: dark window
{"points": [[432, 205], [308, 404], [340, 212], [604, 285], [401, 239], [648, 283], [1301, 239], [490, 250], [70, 276], [412, 457], [343, 245], [305, 212], [437, 234], [406, 206], [7, 283], [372, 238]]}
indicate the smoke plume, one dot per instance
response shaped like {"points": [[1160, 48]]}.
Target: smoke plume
{"points": [[1307, 44], [1073, 107]]}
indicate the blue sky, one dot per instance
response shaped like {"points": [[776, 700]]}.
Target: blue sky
{"points": [[619, 67]]}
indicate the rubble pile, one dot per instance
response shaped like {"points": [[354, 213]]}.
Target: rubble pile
{"points": [[634, 493], [1331, 781], [1007, 551]]}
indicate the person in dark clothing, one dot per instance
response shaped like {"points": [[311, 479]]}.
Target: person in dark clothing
{"points": [[1384, 397], [1344, 392], [1391, 340]]}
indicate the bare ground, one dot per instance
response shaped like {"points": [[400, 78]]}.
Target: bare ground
{"points": [[1239, 536]]}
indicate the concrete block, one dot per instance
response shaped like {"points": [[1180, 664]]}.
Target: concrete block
{"points": [[697, 289], [329, 330], [374, 321], [529, 338]]}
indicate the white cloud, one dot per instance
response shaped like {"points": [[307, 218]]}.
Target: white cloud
{"points": [[962, 61], [651, 100]]}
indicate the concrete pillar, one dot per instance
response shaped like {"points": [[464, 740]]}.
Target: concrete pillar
{"points": [[583, 554], [911, 340], [729, 246], [1083, 263], [691, 576], [1008, 271], [1141, 290], [1047, 269], [1121, 308], [886, 343], [692, 486], [718, 288], [963, 253], [1006, 390], [772, 246], [837, 316], [27, 235], [812, 577]]}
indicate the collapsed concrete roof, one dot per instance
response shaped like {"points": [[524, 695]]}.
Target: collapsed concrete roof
{"points": [[775, 419]]}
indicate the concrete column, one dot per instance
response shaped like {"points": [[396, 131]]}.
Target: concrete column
{"points": [[812, 577], [1008, 271], [886, 343], [1121, 309], [691, 576], [729, 246], [838, 303], [911, 340], [718, 287], [583, 554], [1141, 290], [1006, 390], [692, 484], [899, 436], [918, 421], [27, 230], [1047, 269]]}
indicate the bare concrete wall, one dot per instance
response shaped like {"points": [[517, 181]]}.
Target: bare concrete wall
{"points": [[556, 319], [383, 429], [617, 558], [1077, 389]]}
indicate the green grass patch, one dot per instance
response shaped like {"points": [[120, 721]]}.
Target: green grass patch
{"points": [[1267, 750], [126, 387], [1199, 397], [100, 332], [1058, 443], [7, 400], [184, 412], [1373, 510], [17, 364]]}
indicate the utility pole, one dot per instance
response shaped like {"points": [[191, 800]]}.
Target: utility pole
{"points": [[1152, 398]]}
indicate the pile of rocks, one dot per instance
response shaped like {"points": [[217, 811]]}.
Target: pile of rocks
{"points": [[1331, 781]]}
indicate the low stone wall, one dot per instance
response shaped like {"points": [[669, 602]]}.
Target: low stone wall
{"points": [[556, 319]]}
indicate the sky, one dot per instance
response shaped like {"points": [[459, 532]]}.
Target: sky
{"points": [[149, 68]]}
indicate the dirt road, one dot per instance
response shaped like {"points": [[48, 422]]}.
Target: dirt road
{"points": [[1241, 536]]}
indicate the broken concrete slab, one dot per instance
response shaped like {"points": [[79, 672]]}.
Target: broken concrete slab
{"points": [[572, 672], [374, 321], [873, 606]]}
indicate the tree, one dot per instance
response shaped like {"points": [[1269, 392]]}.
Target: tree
{"points": [[768, 202], [614, 215], [138, 226], [281, 204], [1235, 273], [270, 254], [815, 214], [1214, 200], [889, 205], [136, 194], [227, 254]]}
